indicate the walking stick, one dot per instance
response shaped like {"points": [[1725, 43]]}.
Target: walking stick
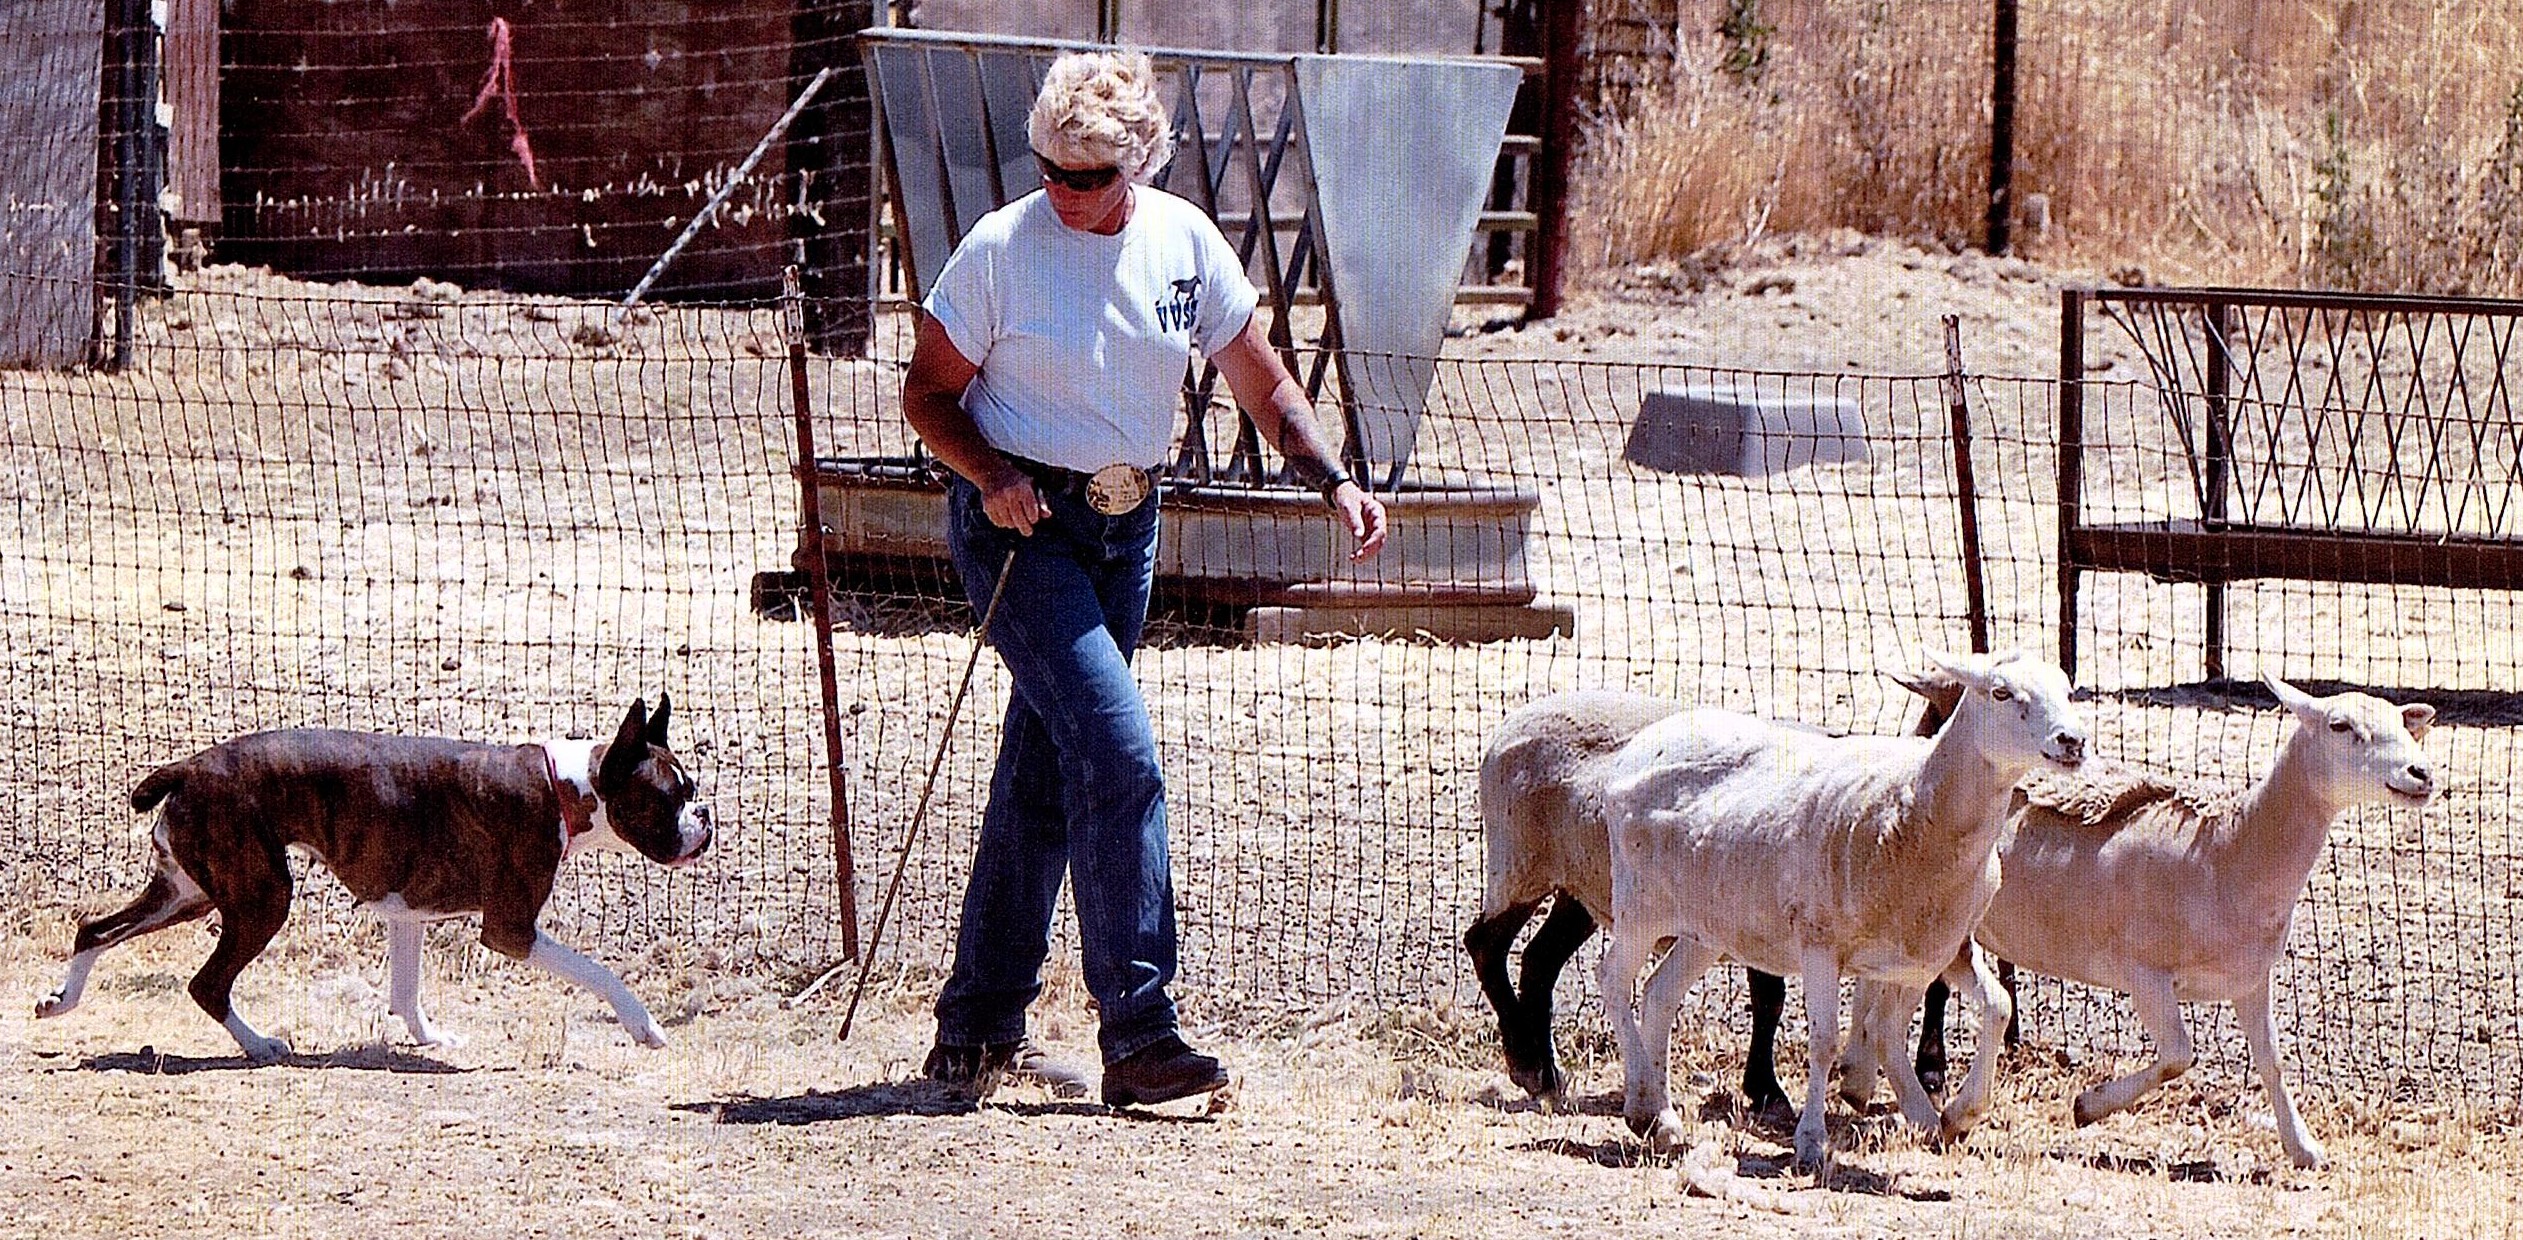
{"points": [[893, 887]]}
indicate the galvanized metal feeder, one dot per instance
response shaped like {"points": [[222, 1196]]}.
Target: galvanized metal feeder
{"points": [[1381, 163]]}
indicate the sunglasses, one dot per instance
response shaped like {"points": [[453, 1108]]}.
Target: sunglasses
{"points": [[1079, 180]]}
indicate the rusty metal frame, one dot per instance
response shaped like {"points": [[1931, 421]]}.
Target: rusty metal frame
{"points": [[2356, 383], [938, 81]]}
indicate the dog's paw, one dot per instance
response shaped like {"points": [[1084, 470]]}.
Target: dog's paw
{"points": [[647, 1034], [53, 1005], [264, 1050], [437, 1037]]}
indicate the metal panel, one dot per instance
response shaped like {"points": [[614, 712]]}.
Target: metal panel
{"points": [[50, 62], [1009, 82], [917, 166], [1382, 178], [1403, 153], [963, 136]]}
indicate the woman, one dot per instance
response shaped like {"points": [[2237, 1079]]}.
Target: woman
{"points": [[1048, 366]]}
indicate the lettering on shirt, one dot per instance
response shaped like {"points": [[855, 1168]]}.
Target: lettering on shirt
{"points": [[1178, 313]]}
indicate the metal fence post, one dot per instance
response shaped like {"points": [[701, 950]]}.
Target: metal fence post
{"points": [[819, 600], [1966, 486], [2002, 132]]}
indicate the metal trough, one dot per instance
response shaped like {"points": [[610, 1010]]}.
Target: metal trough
{"points": [[1230, 545]]}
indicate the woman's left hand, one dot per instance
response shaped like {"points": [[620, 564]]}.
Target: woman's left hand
{"points": [[1364, 515]]}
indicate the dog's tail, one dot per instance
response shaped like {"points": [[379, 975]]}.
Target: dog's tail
{"points": [[157, 785]]}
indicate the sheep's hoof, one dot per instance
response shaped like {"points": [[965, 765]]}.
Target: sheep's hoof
{"points": [[1538, 1082], [1955, 1124], [1662, 1129], [1664, 1136], [2087, 1110], [1813, 1146], [1774, 1105]]}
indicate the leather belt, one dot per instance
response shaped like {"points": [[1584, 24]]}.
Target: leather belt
{"points": [[1112, 490]]}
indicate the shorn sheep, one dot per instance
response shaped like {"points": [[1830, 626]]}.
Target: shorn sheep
{"points": [[1540, 848], [2144, 891], [1792, 851]]}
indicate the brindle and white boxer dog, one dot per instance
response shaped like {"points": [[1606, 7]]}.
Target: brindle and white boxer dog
{"points": [[419, 829]]}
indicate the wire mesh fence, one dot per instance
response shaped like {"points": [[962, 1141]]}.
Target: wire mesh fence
{"points": [[383, 510], [501, 516]]}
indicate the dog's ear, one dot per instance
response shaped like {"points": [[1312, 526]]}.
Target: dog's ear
{"points": [[656, 730], [630, 744]]}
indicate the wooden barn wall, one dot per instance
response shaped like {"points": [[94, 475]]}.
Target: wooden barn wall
{"points": [[51, 52], [347, 154], [191, 65]]}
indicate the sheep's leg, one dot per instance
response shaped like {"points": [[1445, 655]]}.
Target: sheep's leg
{"points": [[1545, 954], [1861, 1065], [1672, 978], [1994, 1009], [1761, 1090], [1822, 1011], [1616, 979], [2152, 993], [2261, 1031], [2014, 1003], [1931, 1057], [1488, 941], [1886, 1026]]}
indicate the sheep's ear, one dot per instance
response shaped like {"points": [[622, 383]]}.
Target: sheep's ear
{"points": [[2417, 716], [1964, 670], [2294, 699], [1941, 689]]}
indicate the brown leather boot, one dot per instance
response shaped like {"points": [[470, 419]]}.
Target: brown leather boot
{"points": [[1161, 1072], [975, 1071]]}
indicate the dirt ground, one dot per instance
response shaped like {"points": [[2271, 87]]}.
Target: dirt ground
{"points": [[134, 1117]]}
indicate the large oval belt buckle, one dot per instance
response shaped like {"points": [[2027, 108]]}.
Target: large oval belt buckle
{"points": [[1116, 489]]}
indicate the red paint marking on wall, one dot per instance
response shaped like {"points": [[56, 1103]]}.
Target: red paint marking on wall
{"points": [[501, 83]]}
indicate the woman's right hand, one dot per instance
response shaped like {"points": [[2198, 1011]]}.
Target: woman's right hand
{"points": [[1011, 503]]}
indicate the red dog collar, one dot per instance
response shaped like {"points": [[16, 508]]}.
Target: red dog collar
{"points": [[578, 809]]}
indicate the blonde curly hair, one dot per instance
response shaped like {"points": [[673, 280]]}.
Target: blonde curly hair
{"points": [[1099, 108]]}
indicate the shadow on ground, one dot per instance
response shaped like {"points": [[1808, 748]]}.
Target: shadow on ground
{"points": [[150, 1061], [891, 1098]]}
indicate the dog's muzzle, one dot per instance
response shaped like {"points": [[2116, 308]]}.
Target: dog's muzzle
{"points": [[693, 832]]}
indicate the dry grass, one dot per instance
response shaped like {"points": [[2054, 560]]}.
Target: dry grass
{"points": [[132, 1117], [1366, 1120], [2374, 144]]}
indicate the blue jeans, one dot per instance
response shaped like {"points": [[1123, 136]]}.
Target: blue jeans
{"points": [[1076, 792]]}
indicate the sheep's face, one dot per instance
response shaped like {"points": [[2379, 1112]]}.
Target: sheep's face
{"points": [[2365, 747], [2026, 704]]}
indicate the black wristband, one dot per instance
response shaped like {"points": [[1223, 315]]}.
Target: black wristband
{"points": [[1329, 485]]}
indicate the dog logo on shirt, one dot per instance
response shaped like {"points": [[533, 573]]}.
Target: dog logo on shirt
{"points": [[1179, 313]]}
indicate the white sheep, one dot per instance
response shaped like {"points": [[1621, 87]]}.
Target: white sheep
{"points": [[1539, 849], [1819, 856], [2139, 888]]}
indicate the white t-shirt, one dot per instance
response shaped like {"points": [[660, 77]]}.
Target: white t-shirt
{"points": [[1082, 339]]}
